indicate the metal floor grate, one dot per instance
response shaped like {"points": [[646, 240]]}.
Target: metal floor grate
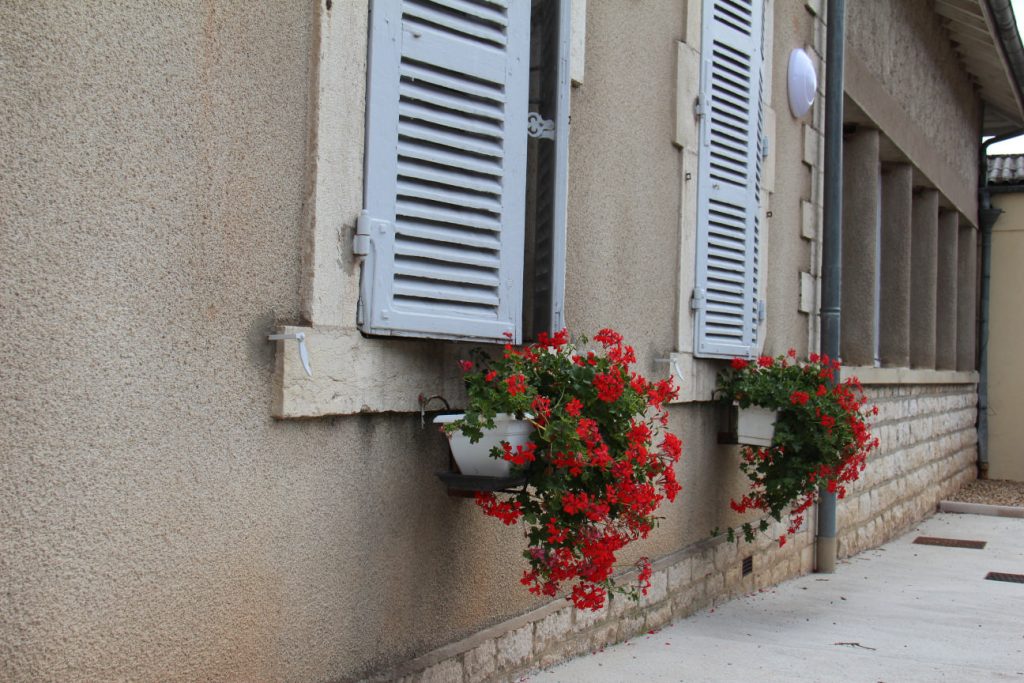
{"points": [[949, 542], [1009, 578]]}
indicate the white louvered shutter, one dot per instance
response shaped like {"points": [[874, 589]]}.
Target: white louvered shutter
{"points": [[442, 229], [728, 187]]}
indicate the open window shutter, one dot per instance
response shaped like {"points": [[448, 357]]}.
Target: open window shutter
{"points": [[442, 230], [551, 25], [728, 193]]}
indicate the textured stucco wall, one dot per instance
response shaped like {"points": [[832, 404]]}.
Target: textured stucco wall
{"points": [[1006, 329], [905, 47], [157, 523]]}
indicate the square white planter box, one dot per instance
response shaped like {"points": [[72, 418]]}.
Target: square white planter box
{"points": [[475, 458], [755, 426]]}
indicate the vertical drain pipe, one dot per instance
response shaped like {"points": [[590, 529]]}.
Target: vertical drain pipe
{"points": [[831, 247], [987, 216]]}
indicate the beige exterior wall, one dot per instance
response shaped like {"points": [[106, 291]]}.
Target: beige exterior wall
{"points": [[170, 197], [901, 72], [1006, 328]]}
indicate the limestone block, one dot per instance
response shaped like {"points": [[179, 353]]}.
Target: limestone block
{"points": [[585, 618], [563, 651], [715, 585], [901, 487], [448, 671], [864, 507], [602, 636], [630, 626], [725, 556], [680, 574], [808, 220], [619, 605], [353, 374], [515, 647], [733, 576], [552, 628], [683, 604], [807, 560], [658, 590], [658, 617], [480, 662]]}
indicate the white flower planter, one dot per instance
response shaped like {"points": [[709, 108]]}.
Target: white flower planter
{"points": [[755, 426], [475, 458]]}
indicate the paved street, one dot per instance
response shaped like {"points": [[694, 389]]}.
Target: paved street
{"points": [[903, 612]]}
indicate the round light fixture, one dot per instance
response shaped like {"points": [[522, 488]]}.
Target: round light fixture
{"points": [[803, 82]]}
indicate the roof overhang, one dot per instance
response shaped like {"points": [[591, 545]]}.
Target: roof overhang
{"points": [[984, 35]]}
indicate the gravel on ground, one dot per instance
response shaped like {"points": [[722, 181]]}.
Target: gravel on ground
{"points": [[991, 492]]}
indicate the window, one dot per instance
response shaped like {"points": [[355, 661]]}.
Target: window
{"points": [[731, 151], [446, 236]]}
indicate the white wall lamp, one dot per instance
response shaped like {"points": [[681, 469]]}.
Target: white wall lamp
{"points": [[803, 82]]}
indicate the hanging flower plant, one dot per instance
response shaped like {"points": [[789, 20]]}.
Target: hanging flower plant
{"points": [[598, 465], [821, 435]]}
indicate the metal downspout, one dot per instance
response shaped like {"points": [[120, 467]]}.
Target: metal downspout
{"points": [[987, 217], [831, 247]]}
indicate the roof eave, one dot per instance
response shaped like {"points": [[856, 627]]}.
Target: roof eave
{"points": [[1003, 28]]}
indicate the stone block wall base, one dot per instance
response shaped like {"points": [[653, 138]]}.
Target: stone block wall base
{"points": [[693, 579], [928, 450]]}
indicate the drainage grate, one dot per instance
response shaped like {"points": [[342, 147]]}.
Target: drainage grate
{"points": [[949, 542], [1009, 578], [748, 565]]}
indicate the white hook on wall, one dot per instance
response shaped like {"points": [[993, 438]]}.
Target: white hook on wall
{"points": [[674, 365], [303, 351]]}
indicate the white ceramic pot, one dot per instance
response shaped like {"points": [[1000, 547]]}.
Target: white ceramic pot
{"points": [[755, 426], [475, 458]]}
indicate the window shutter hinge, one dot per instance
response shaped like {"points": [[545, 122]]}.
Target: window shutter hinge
{"points": [[361, 241], [764, 147], [359, 311], [698, 107], [761, 310], [698, 300]]}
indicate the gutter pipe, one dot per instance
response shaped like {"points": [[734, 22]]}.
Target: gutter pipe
{"points": [[987, 217], [831, 248]]}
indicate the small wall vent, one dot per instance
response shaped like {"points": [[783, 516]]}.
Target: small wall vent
{"points": [[748, 565]]}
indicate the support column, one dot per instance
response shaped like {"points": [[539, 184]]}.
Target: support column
{"points": [[946, 300], [860, 240], [966, 298], [897, 203], [924, 254]]}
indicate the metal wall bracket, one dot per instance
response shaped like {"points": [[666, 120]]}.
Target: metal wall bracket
{"points": [[303, 351]]}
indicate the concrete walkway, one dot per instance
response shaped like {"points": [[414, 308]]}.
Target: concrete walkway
{"points": [[903, 612]]}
